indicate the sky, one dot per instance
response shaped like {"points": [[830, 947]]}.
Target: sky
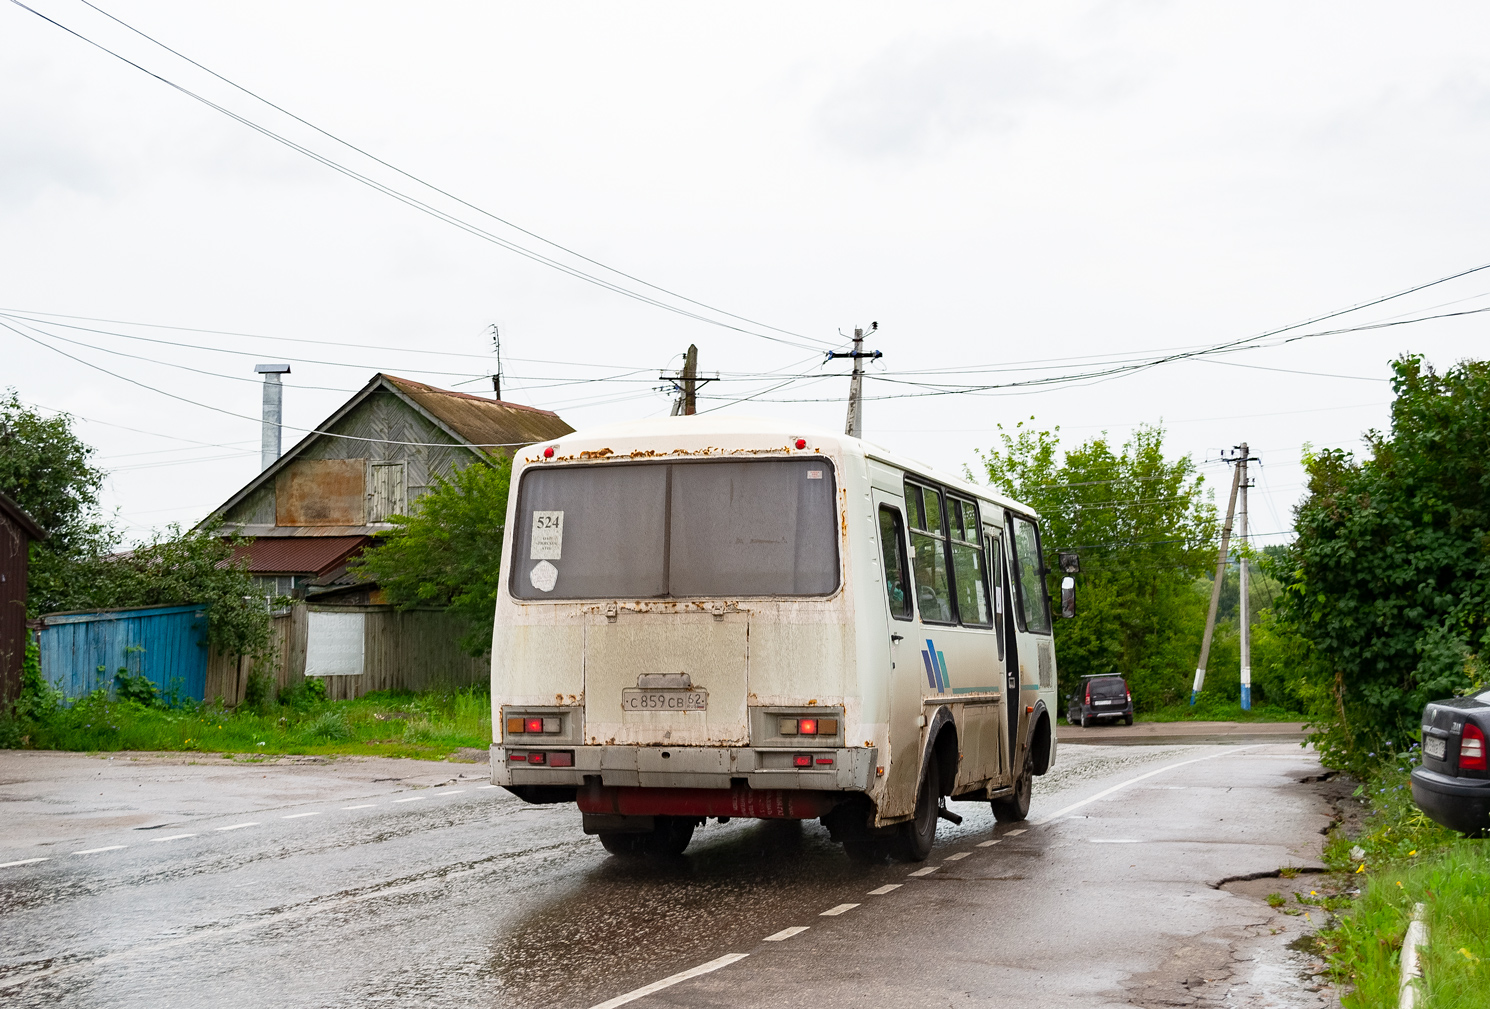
{"points": [[1012, 192]]}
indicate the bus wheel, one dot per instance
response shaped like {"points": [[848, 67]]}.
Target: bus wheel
{"points": [[913, 841], [1013, 808]]}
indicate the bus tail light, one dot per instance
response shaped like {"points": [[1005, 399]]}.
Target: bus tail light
{"points": [[825, 761], [514, 726], [533, 725], [1472, 748], [518, 758], [788, 727], [807, 726], [802, 760], [561, 758], [536, 758]]}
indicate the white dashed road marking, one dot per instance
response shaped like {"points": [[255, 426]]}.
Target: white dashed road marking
{"points": [[237, 826], [453, 791], [1016, 833], [786, 933], [960, 854], [1113, 840], [94, 851], [984, 844], [296, 816], [885, 889], [412, 798], [24, 861], [173, 837], [832, 911], [668, 982], [365, 805], [926, 871]]}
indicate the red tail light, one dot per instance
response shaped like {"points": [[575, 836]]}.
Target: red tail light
{"points": [[828, 761], [534, 725], [535, 758], [518, 758], [807, 726], [1088, 693], [1472, 748], [803, 760], [560, 758]]}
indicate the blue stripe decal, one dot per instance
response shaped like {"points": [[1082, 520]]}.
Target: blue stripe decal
{"points": [[1029, 686], [941, 666], [930, 673]]}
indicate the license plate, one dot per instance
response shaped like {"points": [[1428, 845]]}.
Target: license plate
{"points": [[1094, 703], [1435, 747], [634, 699]]}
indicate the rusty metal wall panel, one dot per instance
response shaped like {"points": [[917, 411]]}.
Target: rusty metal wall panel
{"points": [[321, 492]]}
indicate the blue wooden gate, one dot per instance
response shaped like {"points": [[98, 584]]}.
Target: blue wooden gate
{"points": [[81, 652]]}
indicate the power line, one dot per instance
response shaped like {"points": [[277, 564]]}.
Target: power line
{"points": [[421, 205]]}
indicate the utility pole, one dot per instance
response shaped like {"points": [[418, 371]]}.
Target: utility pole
{"points": [[496, 380], [1210, 617], [1244, 607], [854, 427], [686, 383]]}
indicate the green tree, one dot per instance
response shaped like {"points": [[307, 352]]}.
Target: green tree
{"points": [[1390, 577], [448, 553], [1145, 533], [47, 469]]}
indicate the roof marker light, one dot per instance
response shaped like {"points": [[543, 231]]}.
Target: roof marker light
{"points": [[548, 453], [801, 442]]}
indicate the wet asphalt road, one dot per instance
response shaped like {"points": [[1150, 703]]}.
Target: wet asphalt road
{"points": [[460, 894]]}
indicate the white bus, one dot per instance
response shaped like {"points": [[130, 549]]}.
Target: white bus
{"points": [[707, 617]]}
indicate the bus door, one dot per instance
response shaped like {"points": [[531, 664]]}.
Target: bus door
{"points": [[1031, 606], [904, 664], [1008, 646]]}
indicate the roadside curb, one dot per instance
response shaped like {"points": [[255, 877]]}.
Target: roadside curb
{"points": [[1412, 967]]}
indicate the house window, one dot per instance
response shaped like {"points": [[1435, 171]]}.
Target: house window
{"points": [[387, 493]]}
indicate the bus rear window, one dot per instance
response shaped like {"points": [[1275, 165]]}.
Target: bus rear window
{"points": [[762, 527]]}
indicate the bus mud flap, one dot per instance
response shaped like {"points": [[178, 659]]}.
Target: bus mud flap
{"points": [[757, 803]]}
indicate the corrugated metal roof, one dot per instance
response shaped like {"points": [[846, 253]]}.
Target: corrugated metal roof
{"points": [[285, 555], [492, 423]]}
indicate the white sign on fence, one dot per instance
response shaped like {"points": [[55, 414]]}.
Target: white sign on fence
{"points": [[333, 643]]}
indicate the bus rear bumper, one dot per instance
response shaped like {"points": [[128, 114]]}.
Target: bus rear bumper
{"points": [[847, 769]]}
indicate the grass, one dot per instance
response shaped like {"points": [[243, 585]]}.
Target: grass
{"points": [[1214, 707], [427, 726], [1400, 859]]}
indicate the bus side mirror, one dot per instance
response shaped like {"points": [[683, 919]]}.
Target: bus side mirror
{"points": [[1068, 597]]}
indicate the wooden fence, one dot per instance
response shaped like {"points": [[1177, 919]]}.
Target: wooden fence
{"points": [[401, 650]]}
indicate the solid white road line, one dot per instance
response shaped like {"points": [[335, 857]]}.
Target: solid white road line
{"points": [[94, 851], [926, 871], [24, 861], [786, 933], [668, 982], [365, 805], [878, 891], [1133, 781], [173, 837], [833, 911], [953, 858], [296, 816], [412, 798], [984, 844], [240, 826]]}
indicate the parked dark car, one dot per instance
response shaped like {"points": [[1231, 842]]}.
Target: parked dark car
{"points": [[1100, 697], [1452, 784]]}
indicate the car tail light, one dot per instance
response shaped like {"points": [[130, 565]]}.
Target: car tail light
{"points": [[1472, 748], [533, 725], [536, 758], [1088, 693], [515, 725], [561, 758], [825, 761], [803, 760], [807, 726]]}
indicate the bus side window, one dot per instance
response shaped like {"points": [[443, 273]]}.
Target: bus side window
{"points": [[929, 555], [969, 566], [897, 573], [996, 585], [1029, 578]]}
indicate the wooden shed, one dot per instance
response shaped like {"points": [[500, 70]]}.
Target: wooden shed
{"points": [[17, 530]]}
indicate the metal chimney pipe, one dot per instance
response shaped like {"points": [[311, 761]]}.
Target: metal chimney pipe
{"points": [[273, 411]]}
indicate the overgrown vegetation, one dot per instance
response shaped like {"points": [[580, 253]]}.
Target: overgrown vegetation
{"points": [[449, 551], [428, 726], [1390, 574], [1400, 859]]}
